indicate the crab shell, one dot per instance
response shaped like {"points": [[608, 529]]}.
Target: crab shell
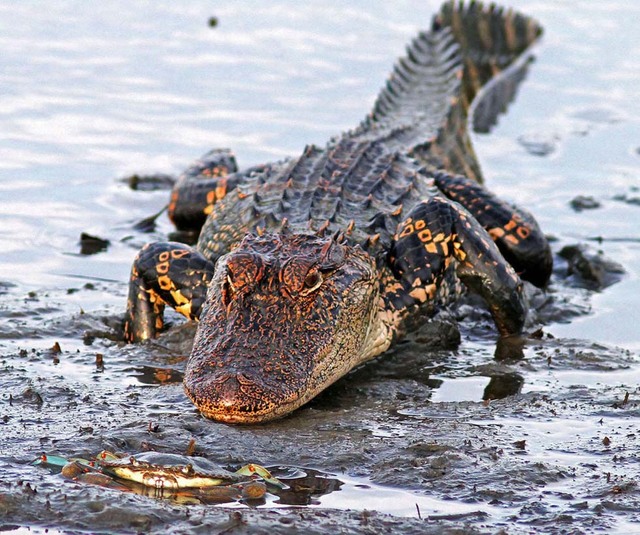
{"points": [[168, 471]]}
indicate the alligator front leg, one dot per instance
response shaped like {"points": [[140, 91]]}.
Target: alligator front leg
{"points": [[164, 273], [197, 190], [438, 232], [514, 230]]}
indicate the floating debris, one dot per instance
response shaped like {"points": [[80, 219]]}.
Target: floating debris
{"points": [[538, 144], [588, 269], [149, 182], [92, 244], [584, 202]]}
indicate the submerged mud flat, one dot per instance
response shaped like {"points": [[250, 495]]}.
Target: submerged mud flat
{"points": [[433, 437]]}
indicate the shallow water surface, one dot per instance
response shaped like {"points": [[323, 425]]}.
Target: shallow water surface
{"points": [[423, 440]]}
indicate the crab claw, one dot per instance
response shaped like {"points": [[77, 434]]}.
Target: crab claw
{"points": [[50, 461], [261, 471]]}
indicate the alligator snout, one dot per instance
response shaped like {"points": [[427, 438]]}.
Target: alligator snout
{"points": [[235, 397], [239, 393]]}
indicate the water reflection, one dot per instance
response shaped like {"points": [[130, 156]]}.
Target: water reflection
{"points": [[152, 375], [502, 386], [306, 488], [477, 388]]}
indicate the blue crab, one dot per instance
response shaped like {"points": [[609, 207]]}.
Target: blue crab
{"points": [[166, 475]]}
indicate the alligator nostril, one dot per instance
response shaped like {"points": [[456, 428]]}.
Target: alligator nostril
{"points": [[227, 389], [236, 393]]}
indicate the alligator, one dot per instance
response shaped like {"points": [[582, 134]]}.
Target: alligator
{"points": [[307, 267]]}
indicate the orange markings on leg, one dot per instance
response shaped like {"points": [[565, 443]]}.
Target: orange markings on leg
{"points": [[221, 189], [425, 235], [409, 229], [496, 233], [179, 253], [164, 282], [511, 239]]}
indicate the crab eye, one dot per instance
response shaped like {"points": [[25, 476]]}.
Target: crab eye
{"points": [[187, 469], [312, 281]]}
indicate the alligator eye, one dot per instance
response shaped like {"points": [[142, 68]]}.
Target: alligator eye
{"points": [[228, 290], [312, 281]]}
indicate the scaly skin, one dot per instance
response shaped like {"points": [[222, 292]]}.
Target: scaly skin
{"points": [[287, 315], [308, 267]]}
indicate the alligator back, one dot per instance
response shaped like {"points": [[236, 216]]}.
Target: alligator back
{"points": [[363, 181]]}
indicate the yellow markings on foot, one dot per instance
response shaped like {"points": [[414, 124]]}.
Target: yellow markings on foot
{"points": [[394, 286], [458, 252], [178, 297], [185, 310], [423, 293]]}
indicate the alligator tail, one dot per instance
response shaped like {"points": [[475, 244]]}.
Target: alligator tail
{"points": [[424, 108], [491, 40]]}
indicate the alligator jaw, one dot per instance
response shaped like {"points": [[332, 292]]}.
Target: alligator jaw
{"points": [[233, 407]]}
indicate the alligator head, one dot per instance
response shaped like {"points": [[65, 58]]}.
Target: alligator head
{"points": [[286, 315]]}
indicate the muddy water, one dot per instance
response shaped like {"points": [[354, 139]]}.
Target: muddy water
{"points": [[425, 439]]}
